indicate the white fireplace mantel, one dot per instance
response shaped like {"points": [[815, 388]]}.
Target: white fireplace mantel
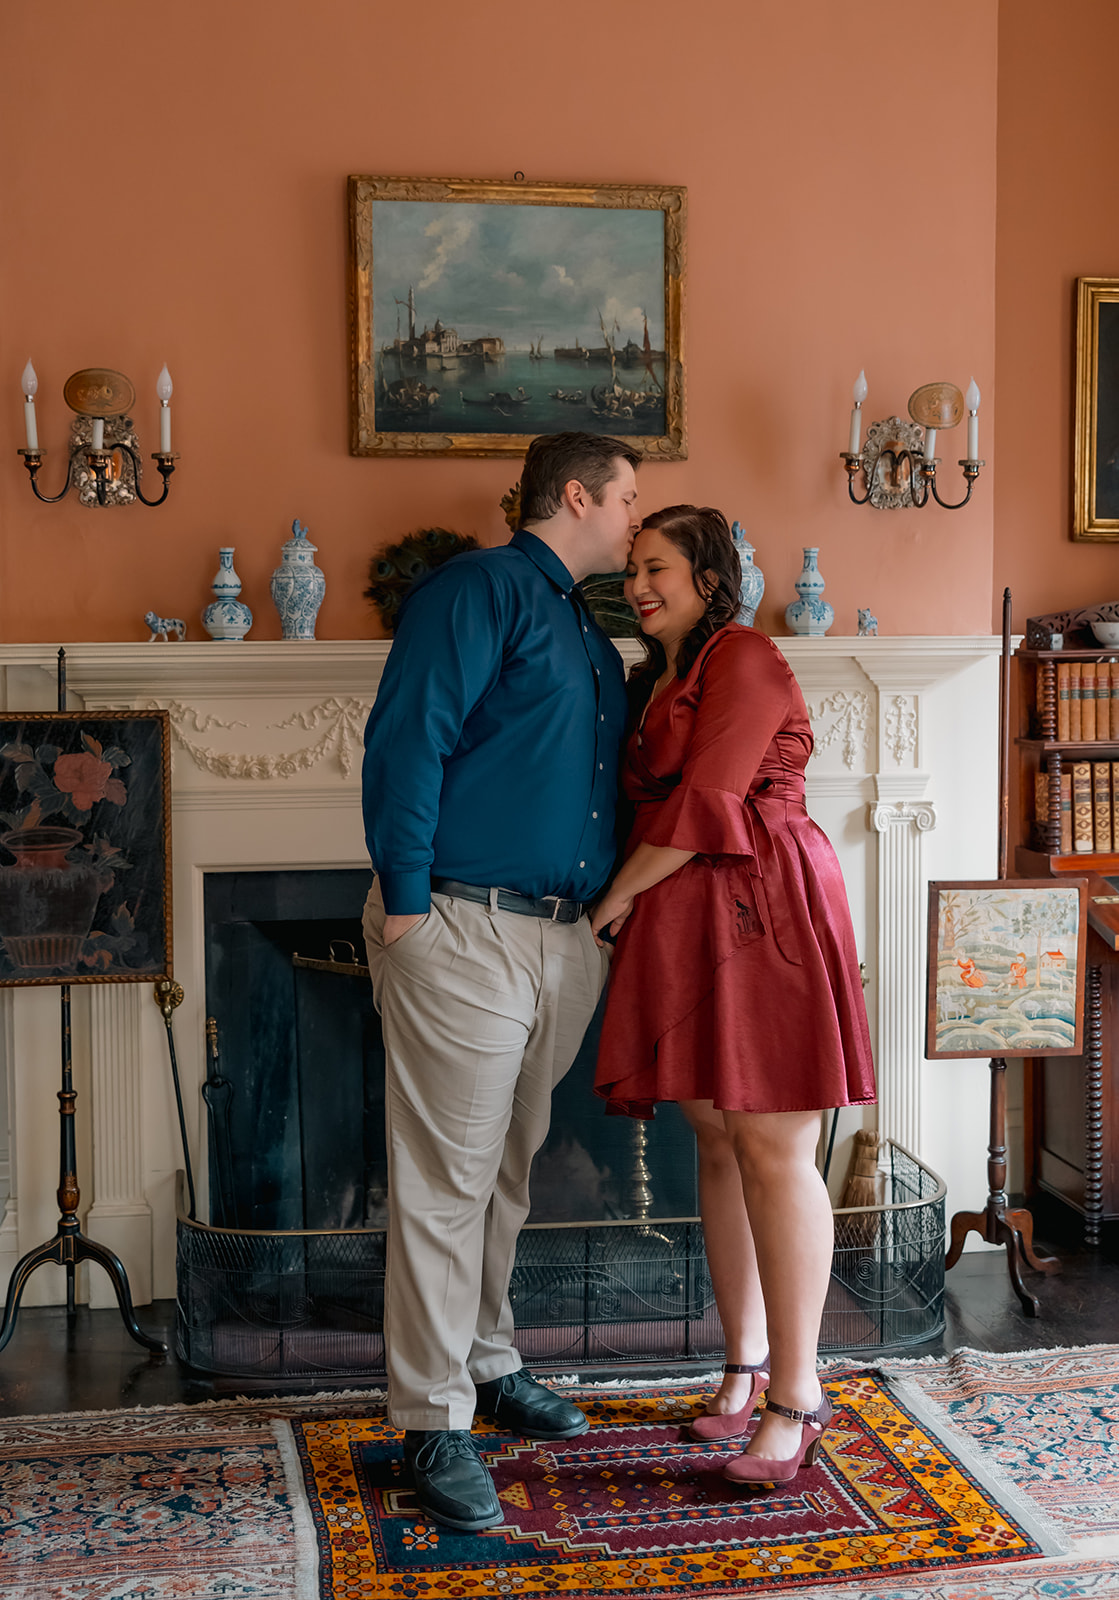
{"points": [[266, 767]]}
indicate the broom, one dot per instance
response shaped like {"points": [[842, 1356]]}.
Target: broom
{"points": [[862, 1186]]}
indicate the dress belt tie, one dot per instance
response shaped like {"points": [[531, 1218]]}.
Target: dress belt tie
{"points": [[771, 870]]}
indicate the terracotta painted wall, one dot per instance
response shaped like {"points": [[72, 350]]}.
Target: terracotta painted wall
{"points": [[1057, 221], [842, 197]]}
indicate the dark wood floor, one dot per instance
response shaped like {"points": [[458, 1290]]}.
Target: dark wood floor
{"points": [[88, 1362]]}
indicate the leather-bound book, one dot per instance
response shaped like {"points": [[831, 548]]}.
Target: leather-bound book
{"points": [[1066, 811], [1074, 701], [1088, 700], [1062, 699], [1083, 831], [1113, 701], [1101, 804]]}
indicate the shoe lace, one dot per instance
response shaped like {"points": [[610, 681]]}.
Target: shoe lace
{"points": [[437, 1452]]}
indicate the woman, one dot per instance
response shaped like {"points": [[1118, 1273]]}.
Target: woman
{"points": [[735, 987]]}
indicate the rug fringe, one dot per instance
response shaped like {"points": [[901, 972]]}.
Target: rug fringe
{"points": [[303, 1522]]}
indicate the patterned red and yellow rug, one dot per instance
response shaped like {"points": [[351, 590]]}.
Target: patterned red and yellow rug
{"points": [[937, 1484], [636, 1506]]}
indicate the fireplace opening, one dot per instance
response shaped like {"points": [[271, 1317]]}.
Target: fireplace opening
{"points": [[287, 1277], [298, 1137]]}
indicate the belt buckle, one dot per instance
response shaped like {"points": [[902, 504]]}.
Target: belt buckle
{"points": [[557, 901]]}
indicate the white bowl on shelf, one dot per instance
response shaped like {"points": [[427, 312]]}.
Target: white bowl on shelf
{"points": [[1106, 633]]}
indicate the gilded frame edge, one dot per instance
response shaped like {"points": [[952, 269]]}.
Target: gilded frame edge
{"points": [[1087, 528], [96, 714], [363, 190]]}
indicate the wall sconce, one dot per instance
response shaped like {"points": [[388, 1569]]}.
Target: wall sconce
{"points": [[104, 464], [899, 459]]}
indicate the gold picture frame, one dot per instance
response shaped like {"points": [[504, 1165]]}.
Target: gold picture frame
{"points": [[597, 278], [1095, 468]]}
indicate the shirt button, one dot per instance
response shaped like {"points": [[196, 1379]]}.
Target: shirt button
{"points": [[602, 719], [600, 766], [582, 863], [594, 814]]}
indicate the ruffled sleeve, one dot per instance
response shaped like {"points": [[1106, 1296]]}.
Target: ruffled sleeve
{"points": [[743, 698]]}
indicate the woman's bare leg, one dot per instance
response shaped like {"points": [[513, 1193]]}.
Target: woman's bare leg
{"points": [[791, 1222], [730, 1252]]}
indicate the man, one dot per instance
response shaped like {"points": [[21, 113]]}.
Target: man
{"points": [[488, 789]]}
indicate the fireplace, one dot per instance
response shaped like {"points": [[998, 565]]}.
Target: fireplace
{"points": [[266, 751]]}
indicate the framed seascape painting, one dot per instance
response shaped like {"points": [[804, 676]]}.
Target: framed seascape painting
{"points": [[1006, 968], [1095, 466], [483, 314], [85, 847]]}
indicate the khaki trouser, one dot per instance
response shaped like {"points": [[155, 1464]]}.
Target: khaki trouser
{"points": [[482, 1012]]}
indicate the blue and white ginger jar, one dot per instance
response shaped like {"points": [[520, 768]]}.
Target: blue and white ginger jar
{"points": [[809, 615], [752, 585], [298, 585], [227, 618]]}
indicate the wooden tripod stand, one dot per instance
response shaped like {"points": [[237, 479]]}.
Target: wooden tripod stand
{"points": [[997, 1223]]}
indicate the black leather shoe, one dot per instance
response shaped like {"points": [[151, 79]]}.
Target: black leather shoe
{"points": [[452, 1484], [522, 1405]]}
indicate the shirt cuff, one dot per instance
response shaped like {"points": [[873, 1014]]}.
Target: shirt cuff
{"points": [[709, 822], [405, 893]]}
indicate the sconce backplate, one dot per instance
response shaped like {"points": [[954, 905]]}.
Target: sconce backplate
{"points": [[99, 392], [889, 478], [120, 490]]}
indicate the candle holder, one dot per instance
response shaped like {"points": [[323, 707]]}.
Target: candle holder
{"points": [[104, 464], [896, 470]]}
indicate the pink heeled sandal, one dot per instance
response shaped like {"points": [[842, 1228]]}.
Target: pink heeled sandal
{"points": [[710, 1428], [762, 1469]]}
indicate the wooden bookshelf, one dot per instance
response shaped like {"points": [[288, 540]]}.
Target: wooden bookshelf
{"points": [[1072, 1103]]}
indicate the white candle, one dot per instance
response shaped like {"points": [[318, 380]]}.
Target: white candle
{"points": [[971, 400], [164, 388], [30, 383], [930, 443], [858, 394], [98, 433]]}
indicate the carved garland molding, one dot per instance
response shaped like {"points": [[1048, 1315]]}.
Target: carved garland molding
{"points": [[901, 728], [851, 710], [342, 720]]}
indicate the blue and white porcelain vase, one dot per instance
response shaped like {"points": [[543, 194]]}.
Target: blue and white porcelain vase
{"points": [[298, 585], [226, 617], [752, 586], [809, 615]]}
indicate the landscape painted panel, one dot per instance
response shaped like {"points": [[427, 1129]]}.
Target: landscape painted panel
{"points": [[484, 314], [85, 848], [1006, 968]]}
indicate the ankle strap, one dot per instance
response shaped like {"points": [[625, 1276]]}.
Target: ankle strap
{"points": [[757, 1366], [793, 1415]]}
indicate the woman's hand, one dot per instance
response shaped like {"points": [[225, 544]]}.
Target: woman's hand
{"points": [[611, 911]]}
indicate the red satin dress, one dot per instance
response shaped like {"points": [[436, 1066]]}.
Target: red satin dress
{"points": [[735, 979]]}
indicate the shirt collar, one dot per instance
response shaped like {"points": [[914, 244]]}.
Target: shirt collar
{"points": [[543, 557]]}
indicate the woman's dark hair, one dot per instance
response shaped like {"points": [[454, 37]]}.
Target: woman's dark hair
{"points": [[703, 535]]}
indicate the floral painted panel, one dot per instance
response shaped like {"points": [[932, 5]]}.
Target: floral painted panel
{"points": [[85, 848]]}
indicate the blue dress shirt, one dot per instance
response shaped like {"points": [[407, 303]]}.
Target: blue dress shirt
{"points": [[491, 753]]}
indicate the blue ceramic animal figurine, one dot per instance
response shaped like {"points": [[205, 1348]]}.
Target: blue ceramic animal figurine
{"points": [[163, 627], [868, 624]]}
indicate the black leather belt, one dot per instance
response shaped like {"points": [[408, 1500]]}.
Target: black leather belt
{"points": [[550, 907]]}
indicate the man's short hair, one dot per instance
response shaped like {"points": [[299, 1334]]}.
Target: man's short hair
{"points": [[554, 459]]}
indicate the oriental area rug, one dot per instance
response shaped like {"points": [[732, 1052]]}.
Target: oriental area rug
{"points": [[979, 1477]]}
